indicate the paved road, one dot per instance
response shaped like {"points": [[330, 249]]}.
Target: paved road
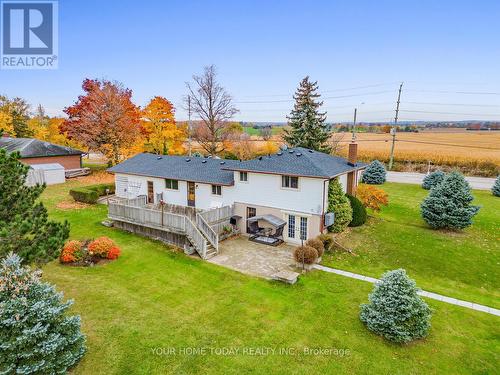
{"points": [[480, 183]]}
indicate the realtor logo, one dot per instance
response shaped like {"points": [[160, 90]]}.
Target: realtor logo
{"points": [[29, 34]]}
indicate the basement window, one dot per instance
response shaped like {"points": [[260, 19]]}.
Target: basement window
{"points": [[290, 182], [171, 184], [216, 190]]}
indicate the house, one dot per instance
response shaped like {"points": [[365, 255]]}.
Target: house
{"points": [[34, 151], [291, 185]]}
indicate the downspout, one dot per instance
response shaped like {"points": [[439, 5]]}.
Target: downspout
{"points": [[322, 221]]}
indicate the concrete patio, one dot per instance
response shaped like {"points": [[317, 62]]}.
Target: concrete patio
{"points": [[252, 258]]}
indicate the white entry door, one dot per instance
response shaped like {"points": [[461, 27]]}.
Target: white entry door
{"points": [[296, 230]]}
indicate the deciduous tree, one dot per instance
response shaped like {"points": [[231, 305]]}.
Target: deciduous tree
{"points": [[213, 105], [18, 109], [104, 119], [372, 197], [163, 135]]}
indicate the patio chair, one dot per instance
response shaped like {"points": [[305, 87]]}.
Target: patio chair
{"points": [[254, 229]]}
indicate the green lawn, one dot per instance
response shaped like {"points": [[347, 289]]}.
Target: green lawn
{"points": [[253, 131], [152, 297], [463, 264]]}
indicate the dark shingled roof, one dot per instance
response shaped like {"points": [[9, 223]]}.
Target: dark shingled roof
{"points": [[197, 169], [298, 161], [34, 148]]}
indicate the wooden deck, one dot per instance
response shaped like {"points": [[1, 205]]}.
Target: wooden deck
{"points": [[201, 229]]}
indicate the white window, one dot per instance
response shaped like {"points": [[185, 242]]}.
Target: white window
{"points": [[297, 227], [216, 190], [290, 182], [243, 176], [291, 226], [171, 184]]}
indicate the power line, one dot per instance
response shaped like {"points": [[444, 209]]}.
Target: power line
{"points": [[449, 144], [327, 97], [455, 104], [450, 113], [456, 92]]}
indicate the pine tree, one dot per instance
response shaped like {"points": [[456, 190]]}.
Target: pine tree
{"points": [[448, 204], [307, 123], [374, 174], [36, 336], [339, 204], [495, 190], [433, 179], [24, 225], [395, 311]]}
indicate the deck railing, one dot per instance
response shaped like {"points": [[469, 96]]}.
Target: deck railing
{"points": [[205, 226], [207, 230]]}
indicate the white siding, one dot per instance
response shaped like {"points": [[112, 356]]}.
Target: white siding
{"points": [[260, 190], [265, 190]]}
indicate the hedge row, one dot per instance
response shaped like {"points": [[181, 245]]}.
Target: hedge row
{"points": [[90, 194]]}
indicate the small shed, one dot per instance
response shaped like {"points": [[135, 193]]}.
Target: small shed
{"points": [[53, 173]]}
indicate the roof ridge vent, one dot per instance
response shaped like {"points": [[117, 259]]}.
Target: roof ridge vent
{"points": [[203, 161], [188, 159], [291, 151], [159, 158], [222, 162], [279, 153], [311, 151], [260, 157], [298, 154]]}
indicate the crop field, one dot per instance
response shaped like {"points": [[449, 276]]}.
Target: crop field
{"points": [[475, 153]]}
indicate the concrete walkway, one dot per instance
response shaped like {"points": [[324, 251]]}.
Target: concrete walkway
{"points": [[423, 293], [479, 183]]}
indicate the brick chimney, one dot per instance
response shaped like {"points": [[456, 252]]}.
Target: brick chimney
{"points": [[352, 159]]}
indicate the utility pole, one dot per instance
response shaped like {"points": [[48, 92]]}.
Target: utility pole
{"points": [[393, 130], [189, 124], [354, 125]]}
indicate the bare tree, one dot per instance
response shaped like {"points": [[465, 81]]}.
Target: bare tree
{"points": [[213, 105], [266, 133]]}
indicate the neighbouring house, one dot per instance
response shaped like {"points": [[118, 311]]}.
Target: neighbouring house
{"points": [[34, 151], [291, 185]]}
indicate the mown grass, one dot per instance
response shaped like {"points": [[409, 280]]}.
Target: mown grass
{"points": [[461, 264], [153, 297]]}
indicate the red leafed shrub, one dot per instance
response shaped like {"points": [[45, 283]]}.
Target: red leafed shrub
{"points": [[71, 252], [101, 246], [114, 253]]}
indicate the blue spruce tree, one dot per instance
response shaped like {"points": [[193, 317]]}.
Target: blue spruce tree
{"points": [[374, 174], [495, 190], [433, 179], [448, 205], [36, 336]]}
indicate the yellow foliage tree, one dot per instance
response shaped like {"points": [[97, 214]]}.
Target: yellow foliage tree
{"points": [[372, 196], [163, 135], [6, 125]]}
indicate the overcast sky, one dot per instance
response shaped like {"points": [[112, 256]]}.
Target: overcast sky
{"points": [[446, 52]]}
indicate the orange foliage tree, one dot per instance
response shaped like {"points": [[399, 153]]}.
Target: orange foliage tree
{"points": [[372, 196], [163, 135], [104, 119]]}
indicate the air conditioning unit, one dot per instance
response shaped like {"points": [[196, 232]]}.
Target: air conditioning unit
{"points": [[329, 218]]}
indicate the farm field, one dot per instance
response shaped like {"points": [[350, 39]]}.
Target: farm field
{"points": [[477, 152], [141, 310], [474, 153]]}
